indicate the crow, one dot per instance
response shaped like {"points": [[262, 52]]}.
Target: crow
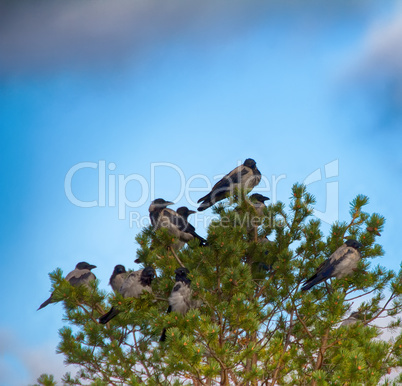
{"points": [[184, 212], [176, 224], [245, 176], [258, 201], [180, 297], [133, 285], [156, 209], [118, 276], [352, 319], [341, 263], [81, 275]]}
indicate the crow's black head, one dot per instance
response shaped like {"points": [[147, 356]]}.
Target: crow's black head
{"points": [[181, 272], [250, 163], [159, 203], [119, 269], [356, 315], [353, 243], [147, 275], [181, 275], [85, 265], [148, 272], [259, 197], [185, 212]]}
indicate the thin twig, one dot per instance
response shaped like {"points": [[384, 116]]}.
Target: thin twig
{"points": [[176, 257]]}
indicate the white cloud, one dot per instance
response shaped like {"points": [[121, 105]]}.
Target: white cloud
{"points": [[68, 34], [373, 76], [383, 46], [22, 365]]}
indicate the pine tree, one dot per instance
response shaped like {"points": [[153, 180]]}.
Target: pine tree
{"points": [[249, 323]]}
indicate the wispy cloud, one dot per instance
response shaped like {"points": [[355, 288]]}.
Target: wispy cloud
{"points": [[21, 364], [46, 35], [377, 72], [382, 51]]}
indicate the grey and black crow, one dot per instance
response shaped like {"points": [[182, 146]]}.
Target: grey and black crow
{"points": [[161, 217], [118, 276], [155, 211], [81, 275], [180, 297], [341, 263], [133, 286], [184, 212], [176, 224], [258, 201], [245, 176], [352, 319]]}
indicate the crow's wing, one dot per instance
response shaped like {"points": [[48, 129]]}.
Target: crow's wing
{"points": [[224, 185], [179, 299], [117, 281], [154, 216], [234, 177], [132, 287], [79, 277], [329, 267], [175, 219]]}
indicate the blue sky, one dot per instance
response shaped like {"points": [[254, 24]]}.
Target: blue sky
{"points": [[200, 86]]}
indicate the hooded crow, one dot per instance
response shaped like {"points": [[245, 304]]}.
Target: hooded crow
{"points": [[156, 210], [245, 176], [258, 201], [340, 264], [134, 284], [185, 226], [161, 217], [352, 319], [118, 276], [180, 297], [177, 225], [81, 275]]}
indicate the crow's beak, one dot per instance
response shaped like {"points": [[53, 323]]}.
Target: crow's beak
{"points": [[92, 266], [191, 212]]}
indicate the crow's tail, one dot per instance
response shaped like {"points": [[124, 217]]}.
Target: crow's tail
{"points": [[205, 205], [312, 282], [163, 336], [45, 303], [109, 315], [203, 242]]}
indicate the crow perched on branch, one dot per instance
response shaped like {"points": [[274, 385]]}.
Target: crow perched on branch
{"points": [[180, 297], [118, 276], [245, 176], [81, 275], [258, 201], [353, 318], [175, 223], [184, 212], [133, 286], [341, 263]]}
